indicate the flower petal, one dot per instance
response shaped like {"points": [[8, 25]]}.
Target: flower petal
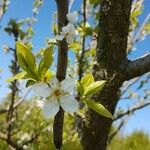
{"points": [[51, 108], [54, 82], [59, 37], [70, 39], [68, 85], [72, 17], [69, 103], [41, 89]]}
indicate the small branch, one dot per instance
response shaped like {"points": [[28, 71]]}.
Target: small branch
{"points": [[127, 85], [32, 139], [116, 131], [132, 110], [3, 10], [62, 60], [17, 104], [83, 43], [138, 67], [80, 115], [9, 141], [14, 89], [22, 99], [137, 37]]}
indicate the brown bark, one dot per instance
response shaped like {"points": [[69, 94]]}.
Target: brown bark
{"points": [[111, 60], [62, 10]]}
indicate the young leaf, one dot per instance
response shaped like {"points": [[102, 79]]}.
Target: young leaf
{"points": [[87, 80], [93, 88], [27, 56], [45, 62], [100, 109], [17, 76], [26, 60], [80, 88]]}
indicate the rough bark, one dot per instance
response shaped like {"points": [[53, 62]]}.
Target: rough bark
{"points": [[111, 59]]}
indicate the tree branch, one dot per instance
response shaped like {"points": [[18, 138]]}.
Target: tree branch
{"points": [[81, 59], [132, 110], [116, 131], [138, 67], [62, 60]]}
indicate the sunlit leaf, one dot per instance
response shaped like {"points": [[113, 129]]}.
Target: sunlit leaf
{"points": [[100, 109], [26, 60], [17, 76], [80, 88], [94, 87], [46, 62], [87, 80]]}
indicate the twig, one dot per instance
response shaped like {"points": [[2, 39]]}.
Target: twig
{"points": [[3, 10], [17, 104], [83, 43], [132, 110], [116, 131], [136, 38]]}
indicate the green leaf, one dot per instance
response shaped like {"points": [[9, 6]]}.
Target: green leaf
{"points": [[87, 80], [80, 88], [76, 46], [100, 109], [26, 60], [17, 76], [94, 87], [27, 56], [87, 31], [46, 62], [30, 83]]}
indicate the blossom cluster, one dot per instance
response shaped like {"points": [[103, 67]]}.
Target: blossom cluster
{"points": [[55, 94], [69, 31]]}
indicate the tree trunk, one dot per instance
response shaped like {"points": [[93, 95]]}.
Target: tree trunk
{"points": [[111, 59]]}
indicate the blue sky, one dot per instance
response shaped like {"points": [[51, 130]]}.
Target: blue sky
{"points": [[20, 9]]}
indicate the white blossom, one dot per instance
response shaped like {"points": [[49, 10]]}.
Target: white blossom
{"points": [[25, 136], [61, 95], [25, 147], [35, 10], [89, 10], [70, 39], [69, 31], [72, 17], [59, 37], [41, 89], [6, 48], [93, 44]]}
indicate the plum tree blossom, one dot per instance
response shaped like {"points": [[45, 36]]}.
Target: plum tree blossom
{"points": [[69, 31], [54, 95], [72, 17]]}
